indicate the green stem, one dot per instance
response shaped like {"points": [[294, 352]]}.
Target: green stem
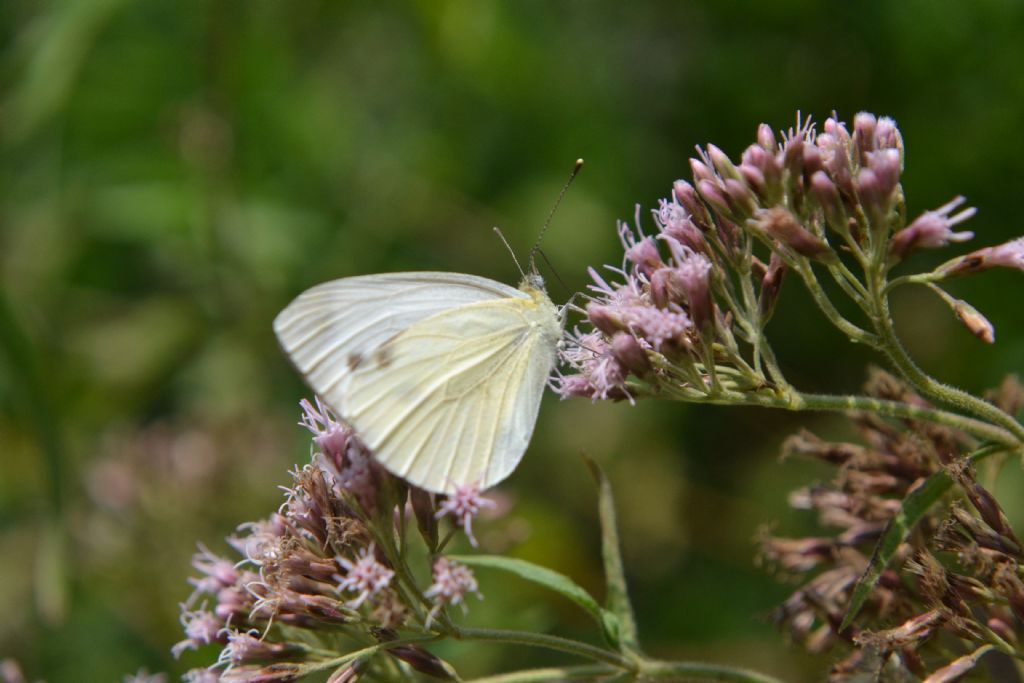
{"points": [[849, 283], [852, 331], [925, 383], [833, 403], [567, 673], [696, 671], [916, 279], [546, 641]]}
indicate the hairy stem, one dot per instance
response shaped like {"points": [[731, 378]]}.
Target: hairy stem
{"points": [[930, 387], [835, 403]]}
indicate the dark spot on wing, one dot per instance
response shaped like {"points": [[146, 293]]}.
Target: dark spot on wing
{"points": [[383, 356], [354, 360]]}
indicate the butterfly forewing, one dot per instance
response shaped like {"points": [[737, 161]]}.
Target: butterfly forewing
{"points": [[332, 328]]}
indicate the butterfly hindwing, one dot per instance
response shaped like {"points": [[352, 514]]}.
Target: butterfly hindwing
{"points": [[453, 398]]}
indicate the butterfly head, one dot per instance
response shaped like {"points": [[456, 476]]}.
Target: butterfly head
{"points": [[533, 280]]}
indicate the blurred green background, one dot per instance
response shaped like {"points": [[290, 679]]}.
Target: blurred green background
{"points": [[172, 173]]}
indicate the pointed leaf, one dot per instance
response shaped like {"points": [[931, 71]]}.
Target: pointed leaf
{"points": [[542, 576], [615, 576]]}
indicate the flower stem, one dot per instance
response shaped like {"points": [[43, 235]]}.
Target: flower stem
{"points": [[567, 673], [548, 642], [833, 403], [930, 387], [697, 671]]}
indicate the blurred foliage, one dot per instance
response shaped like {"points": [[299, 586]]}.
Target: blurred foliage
{"points": [[172, 173]]}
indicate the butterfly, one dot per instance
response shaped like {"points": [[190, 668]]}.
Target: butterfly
{"points": [[440, 374]]}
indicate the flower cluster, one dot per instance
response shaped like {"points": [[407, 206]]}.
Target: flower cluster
{"points": [[335, 557], [686, 311], [954, 587]]}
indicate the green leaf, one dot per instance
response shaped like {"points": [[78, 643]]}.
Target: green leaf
{"points": [[542, 576], [914, 507], [615, 576]]}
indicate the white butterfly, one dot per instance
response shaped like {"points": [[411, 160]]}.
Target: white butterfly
{"points": [[440, 374]]}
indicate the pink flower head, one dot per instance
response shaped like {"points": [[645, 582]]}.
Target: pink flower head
{"points": [[464, 503], [600, 375], [452, 581], [366, 576], [1008, 255], [218, 573], [932, 229], [329, 435], [247, 646], [658, 326], [674, 222], [640, 250], [201, 626]]}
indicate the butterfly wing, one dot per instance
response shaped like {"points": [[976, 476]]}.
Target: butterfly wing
{"points": [[331, 329], [453, 399]]}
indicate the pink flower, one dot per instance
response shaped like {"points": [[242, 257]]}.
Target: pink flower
{"points": [[452, 581], [1008, 255], [201, 626], [329, 435], [464, 504], [366, 576], [218, 573], [932, 229], [600, 374]]}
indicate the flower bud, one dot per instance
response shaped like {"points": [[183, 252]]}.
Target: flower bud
{"points": [[630, 354], [782, 225], [864, 132], [812, 160], [887, 135], [984, 502], [766, 137], [931, 230], [767, 182], [873, 199], [686, 233], [687, 196], [956, 669], [722, 163], [604, 318], [825, 191], [740, 196], [972, 319], [348, 673], [771, 286], [713, 195], [701, 171], [912, 632], [885, 163], [754, 178], [423, 661], [644, 255], [793, 157], [694, 273]]}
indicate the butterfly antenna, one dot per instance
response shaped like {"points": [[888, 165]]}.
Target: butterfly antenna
{"points": [[536, 245], [508, 246], [553, 271]]}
